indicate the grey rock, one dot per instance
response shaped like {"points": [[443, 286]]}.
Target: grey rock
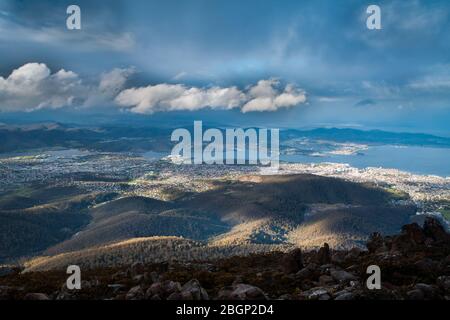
{"points": [[135, 293], [325, 296], [292, 262], [315, 293], [303, 274], [163, 289], [428, 290], [324, 255], [444, 282], [139, 278], [176, 296], [116, 287], [241, 291], [345, 296], [192, 290], [342, 276], [36, 296], [415, 294], [325, 280]]}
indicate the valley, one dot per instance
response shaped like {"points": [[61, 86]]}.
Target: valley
{"points": [[69, 204]]}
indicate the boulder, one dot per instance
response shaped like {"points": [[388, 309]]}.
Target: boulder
{"points": [[429, 291], [66, 294], [116, 287], [36, 296], [5, 292], [303, 274], [318, 293], [309, 271], [135, 293], [353, 254], [324, 255], [177, 296], [415, 294], [434, 229], [402, 243], [139, 278], [241, 292], [192, 290], [163, 289], [325, 280], [345, 296], [292, 262], [414, 233], [136, 268], [444, 283], [376, 243], [325, 296], [426, 266], [342, 276]]}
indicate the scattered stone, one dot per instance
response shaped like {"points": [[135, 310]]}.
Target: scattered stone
{"points": [[425, 266], [89, 284], [137, 268], [155, 298], [342, 276], [66, 294], [119, 275], [434, 229], [192, 290], [116, 287], [163, 289], [241, 292], [154, 277], [135, 293], [293, 261], [414, 233], [376, 243], [5, 292], [176, 296], [36, 296], [444, 283], [345, 296], [139, 278], [324, 255], [353, 254], [316, 294], [415, 294], [428, 290], [303, 274], [325, 280], [325, 296]]}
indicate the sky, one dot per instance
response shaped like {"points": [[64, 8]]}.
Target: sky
{"points": [[273, 62]]}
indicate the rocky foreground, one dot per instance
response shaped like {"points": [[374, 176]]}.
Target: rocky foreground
{"points": [[414, 265]]}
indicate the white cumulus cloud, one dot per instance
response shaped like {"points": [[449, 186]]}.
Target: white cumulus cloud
{"points": [[265, 96], [172, 97], [33, 86]]}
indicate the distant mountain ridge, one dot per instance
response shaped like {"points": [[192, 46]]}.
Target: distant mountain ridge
{"points": [[18, 138], [369, 136]]}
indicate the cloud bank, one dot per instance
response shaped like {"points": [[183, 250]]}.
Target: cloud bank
{"points": [[33, 86], [264, 96]]}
